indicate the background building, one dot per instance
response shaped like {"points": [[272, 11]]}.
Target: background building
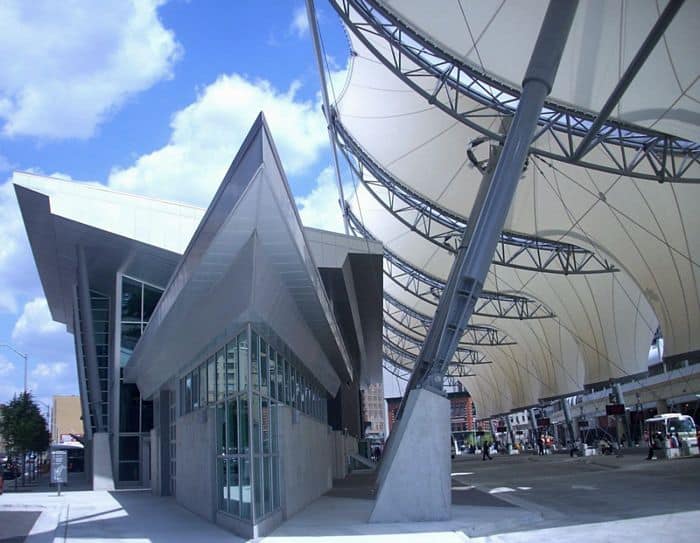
{"points": [[462, 414], [372, 398], [66, 419]]}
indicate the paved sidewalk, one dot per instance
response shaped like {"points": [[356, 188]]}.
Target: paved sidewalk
{"points": [[509, 500], [125, 516]]}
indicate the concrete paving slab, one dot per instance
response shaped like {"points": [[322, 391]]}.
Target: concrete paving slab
{"points": [[120, 516], [336, 519]]}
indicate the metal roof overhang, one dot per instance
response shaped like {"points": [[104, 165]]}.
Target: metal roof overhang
{"points": [[60, 216], [252, 219]]}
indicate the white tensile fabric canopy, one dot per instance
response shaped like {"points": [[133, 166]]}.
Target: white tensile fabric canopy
{"points": [[603, 323]]}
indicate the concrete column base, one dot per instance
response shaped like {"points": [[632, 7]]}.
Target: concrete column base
{"points": [[102, 477], [414, 479]]}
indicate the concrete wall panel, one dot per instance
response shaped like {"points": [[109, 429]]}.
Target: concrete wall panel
{"points": [[195, 462]]}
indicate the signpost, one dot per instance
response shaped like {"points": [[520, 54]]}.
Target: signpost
{"points": [[59, 468], [614, 409]]}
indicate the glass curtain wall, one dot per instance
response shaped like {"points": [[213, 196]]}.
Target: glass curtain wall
{"points": [[99, 303], [247, 381], [99, 307], [138, 300]]}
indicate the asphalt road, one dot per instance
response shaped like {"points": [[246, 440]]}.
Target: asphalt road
{"points": [[593, 489]]}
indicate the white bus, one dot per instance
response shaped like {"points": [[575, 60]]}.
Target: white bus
{"points": [[669, 425]]}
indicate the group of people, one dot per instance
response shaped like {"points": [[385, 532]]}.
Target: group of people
{"points": [[657, 442]]}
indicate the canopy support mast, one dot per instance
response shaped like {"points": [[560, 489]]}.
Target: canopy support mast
{"points": [[491, 207], [329, 113]]}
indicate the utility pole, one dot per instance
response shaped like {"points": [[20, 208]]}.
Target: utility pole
{"points": [[23, 355]]}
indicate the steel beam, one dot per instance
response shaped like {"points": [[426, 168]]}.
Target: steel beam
{"points": [[419, 323], [476, 99], [429, 288], [407, 342], [567, 417], [655, 34], [445, 229], [87, 333], [394, 355]]}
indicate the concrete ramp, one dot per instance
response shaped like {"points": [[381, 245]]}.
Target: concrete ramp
{"points": [[361, 460]]}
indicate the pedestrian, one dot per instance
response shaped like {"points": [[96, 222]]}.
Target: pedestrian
{"points": [[377, 453], [655, 442], [485, 451], [540, 446]]}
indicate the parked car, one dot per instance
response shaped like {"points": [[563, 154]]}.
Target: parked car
{"points": [[10, 471]]}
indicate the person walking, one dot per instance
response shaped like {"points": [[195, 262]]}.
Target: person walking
{"points": [[485, 451]]}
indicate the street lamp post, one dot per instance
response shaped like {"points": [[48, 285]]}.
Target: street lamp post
{"points": [[23, 355]]}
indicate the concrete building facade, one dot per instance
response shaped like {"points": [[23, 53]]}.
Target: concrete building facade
{"points": [[220, 353]]}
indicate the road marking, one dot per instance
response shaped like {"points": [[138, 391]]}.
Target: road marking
{"points": [[462, 473], [501, 489]]}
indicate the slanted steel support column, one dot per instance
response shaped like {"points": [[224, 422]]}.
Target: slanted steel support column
{"points": [[567, 416], [88, 334], [492, 203], [419, 437], [533, 426], [511, 434], [625, 418], [632, 70]]}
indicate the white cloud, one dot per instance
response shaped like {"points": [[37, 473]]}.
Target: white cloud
{"points": [[4, 164], [6, 367], [207, 133], [8, 391], [48, 347], [45, 371], [18, 277], [319, 208], [35, 321], [79, 62], [17, 270], [300, 22]]}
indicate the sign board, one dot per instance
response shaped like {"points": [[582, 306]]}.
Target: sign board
{"points": [[583, 424], [615, 409], [544, 421], [59, 467], [501, 428]]}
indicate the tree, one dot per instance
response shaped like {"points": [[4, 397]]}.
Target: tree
{"points": [[23, 427]]}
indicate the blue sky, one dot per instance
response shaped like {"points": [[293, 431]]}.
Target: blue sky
{"points": [[153, 98]]}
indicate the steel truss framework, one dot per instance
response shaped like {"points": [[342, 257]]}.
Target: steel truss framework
{"points": [[419, 323], [395, 354], [463, 355], [429, 288], [475, 98], [404, 374], [445, 229]]}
